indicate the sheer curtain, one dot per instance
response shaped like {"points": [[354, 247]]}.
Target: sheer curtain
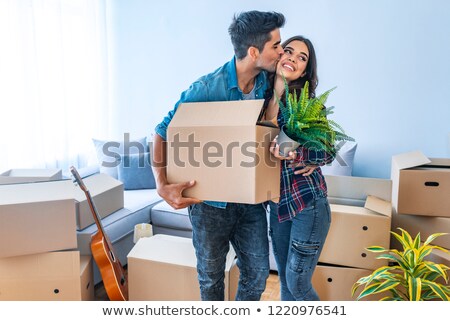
{"points": [[53, 82]]}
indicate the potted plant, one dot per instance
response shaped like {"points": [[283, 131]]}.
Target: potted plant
{"points": [[410, 277], [307, 123]]}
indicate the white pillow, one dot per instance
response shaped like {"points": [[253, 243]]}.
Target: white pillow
{"points": [[109, 153], [343, 163]]}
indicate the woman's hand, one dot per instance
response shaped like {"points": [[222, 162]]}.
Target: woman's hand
{"points": [[305, 170], [275, 150]]}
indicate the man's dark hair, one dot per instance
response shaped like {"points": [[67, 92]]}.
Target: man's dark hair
{"points": [[252, 29]]}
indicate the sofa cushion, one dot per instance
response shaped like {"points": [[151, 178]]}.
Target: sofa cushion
{"points": [[108, 152], [135, 171], [163, 215]]}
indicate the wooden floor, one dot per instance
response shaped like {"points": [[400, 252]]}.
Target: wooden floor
{"points": [[272, 292]]}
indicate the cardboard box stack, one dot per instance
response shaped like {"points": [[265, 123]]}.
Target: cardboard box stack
{"points": [[39, 259], [26, 175], [163, 268], [421, 196], [219, 144], [360, 217]]}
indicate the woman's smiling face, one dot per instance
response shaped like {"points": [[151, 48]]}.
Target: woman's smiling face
{"points": [[294, 61]]}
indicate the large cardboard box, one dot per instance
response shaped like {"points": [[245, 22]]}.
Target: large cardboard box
{"points": [[225, 150], [163, 268], [13, 176], [421, 186], [425, 225], [33, 220], [52, 276], [360, 217], [353, 229], [334, 283]]}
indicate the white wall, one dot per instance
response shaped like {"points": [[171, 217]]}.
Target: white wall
{"points": [[389, 60]]}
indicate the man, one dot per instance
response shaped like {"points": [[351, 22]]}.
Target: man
{"points": [[256, 40]]}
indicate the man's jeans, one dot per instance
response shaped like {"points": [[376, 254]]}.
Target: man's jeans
{"points": [[297, 244], [245, 226]]}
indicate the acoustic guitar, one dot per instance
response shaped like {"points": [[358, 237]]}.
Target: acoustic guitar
{"points": [[111, 270]]}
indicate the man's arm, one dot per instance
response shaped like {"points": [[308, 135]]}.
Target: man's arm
{"points": [[171, 193]]}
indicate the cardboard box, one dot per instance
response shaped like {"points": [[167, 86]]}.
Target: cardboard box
{"points": [[353, 190], [425, 225], [13, 176], [225, 150], [361, 217], [163, 268], [107, 193], [355, 228], [334, 283], [421, 186], [52, 276], [33, 220]]}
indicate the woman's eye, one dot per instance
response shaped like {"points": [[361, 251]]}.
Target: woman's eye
{"points": [[287, 51]]}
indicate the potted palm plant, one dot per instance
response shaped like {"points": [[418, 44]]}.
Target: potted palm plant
{"points": [[307, 123], [410, 277]]}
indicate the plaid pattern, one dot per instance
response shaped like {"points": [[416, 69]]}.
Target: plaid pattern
{"points": [[298, 191]]}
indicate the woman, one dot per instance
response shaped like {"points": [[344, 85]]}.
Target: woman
{"points": [[299, 223]]}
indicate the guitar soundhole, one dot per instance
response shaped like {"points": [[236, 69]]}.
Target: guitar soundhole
{"points": [[113, 258], [56, 291], [122, 280]]}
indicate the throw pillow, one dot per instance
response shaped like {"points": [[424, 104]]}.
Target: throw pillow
{"points": [[135, 171], [343, 163], [108, 152]]}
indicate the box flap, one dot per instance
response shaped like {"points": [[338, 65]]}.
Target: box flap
{"points": [[218, 113], [356, 189], [408, 160], [378, 205], [439, 162]]}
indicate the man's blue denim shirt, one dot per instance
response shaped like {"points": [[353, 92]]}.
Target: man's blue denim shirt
{"points": [[220, 85]]}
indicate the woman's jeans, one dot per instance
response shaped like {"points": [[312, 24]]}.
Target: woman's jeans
{"points": [[245, 226], [297, 244]]}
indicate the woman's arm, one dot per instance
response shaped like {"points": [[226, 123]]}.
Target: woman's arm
{"points": [[272, 108]]}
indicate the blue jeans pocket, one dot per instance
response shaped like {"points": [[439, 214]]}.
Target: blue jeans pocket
{"points": [[303, 256]]}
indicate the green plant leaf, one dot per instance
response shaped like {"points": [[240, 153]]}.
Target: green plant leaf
{"points": [[415, 288], [437, 289], [432, 237], [376, 249], [416, 243], [377, 287], [403, 242], [436, 268]]}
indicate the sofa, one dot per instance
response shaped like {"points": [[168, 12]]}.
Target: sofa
{"points": [[142, 204]]}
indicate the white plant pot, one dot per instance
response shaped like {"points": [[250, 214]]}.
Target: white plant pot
{"points": [[286, 143]]}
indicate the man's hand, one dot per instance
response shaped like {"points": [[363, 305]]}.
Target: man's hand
{"points": [[172, 194]]}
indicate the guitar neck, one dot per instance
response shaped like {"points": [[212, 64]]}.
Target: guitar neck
{"points": [[97, 218]]}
